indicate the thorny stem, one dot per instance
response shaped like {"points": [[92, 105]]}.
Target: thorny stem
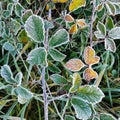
{"points": [[92, 21]]}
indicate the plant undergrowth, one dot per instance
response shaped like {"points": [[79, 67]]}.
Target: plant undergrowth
{"points": [[59, 60]]}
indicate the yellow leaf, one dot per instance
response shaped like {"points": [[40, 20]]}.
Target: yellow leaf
{"points": [[59, 1], [75, 4], [74, 65], [73, 29], [89, 74], [89, 56], [76, 82]]}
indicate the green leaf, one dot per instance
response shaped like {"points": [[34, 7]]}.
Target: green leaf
{"points": [[22, 100], [16, 26], [22, 36], [76, 82], [28, 1], [6, 73], [38, 56], [48, 25], [114, 33], [23, 92], [34, 27], [101, 13], [8, 46], [59, 38], [56, 55], [110, 45], [69, 117], [82, 109], [110, 8], [89, 93], [101, 27], [53, 68], [26, 15], [6, 13], [109, 23], [104, 116], [99, 35], [10, 8], [18, 9], [2, 24], [2, 86], [58, 79], [18, 78]]}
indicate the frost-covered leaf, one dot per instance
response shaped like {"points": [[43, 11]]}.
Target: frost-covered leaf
{"points": [[74, 65], [56, 55], [114, 33], [99, 35], [111, 8], [18, 9], [101, 27], [89, 93], [38, 56], [10, 8], [23, 92], [34, 27], [16, 26], [76, 82], [22, 100], [110, 45], [59, 38], [26, 15], [109, 23], [22, 36], [18, 78], [48, 25], [82, 109], [58, 79], [8, 46], [75, 4], [105, 116], [53, 68], [6, 73]]}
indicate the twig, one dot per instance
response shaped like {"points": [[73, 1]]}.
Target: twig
{"points": [[92, 21], [66, 105], [59, 97], [44, 95], [43, 74], [61, 118]]}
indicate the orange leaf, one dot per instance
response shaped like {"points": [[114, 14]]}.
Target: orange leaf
{"points": [[69, 18], [89, 74], [81, 23], [74, 65], [89, 56], [73, 29]]}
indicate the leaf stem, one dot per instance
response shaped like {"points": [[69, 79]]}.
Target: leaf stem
{"points": [[66, 105]]}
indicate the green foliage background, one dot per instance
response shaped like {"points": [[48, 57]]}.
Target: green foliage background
{"points": [[24, 52]]}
